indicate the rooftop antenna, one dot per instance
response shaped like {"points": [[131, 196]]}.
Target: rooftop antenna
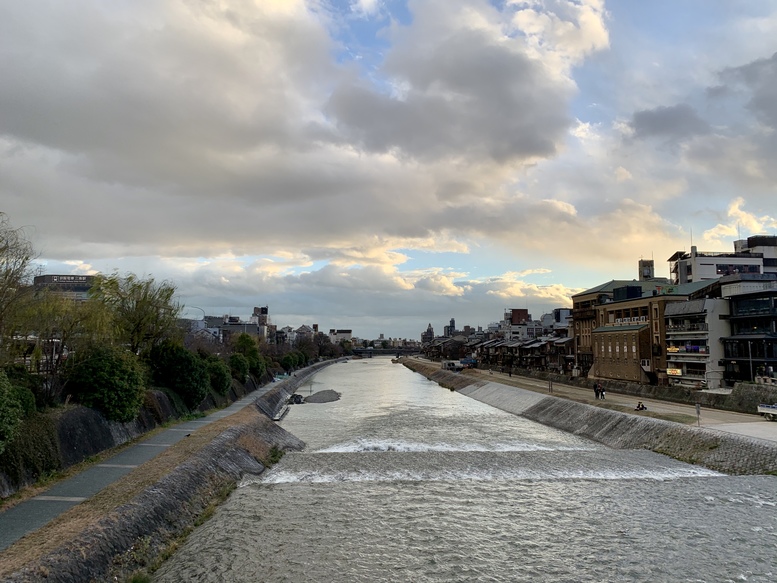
{"points": [[691, 236]]}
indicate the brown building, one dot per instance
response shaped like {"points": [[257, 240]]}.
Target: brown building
{"points": [[629, 337], [584, 312]]}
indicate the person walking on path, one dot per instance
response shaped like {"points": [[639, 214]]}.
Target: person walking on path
{"points": [[596, 391], [601, 392]]}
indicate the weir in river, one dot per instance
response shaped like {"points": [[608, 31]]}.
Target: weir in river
{"points": [[402, 480]]}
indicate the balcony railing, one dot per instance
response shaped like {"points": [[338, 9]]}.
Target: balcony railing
{"points": [[671, 350], [703, 327]]}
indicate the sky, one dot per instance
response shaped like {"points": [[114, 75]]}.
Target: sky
{"points": [[382, 165]]}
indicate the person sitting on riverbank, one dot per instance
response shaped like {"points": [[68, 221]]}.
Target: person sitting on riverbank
{"points": [[640, 406]]}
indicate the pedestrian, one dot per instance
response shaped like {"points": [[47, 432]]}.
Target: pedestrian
{"points": [[596, 390], [601, 392]]}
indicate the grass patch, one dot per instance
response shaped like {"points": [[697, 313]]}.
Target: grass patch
{"points": [[172, 547]]}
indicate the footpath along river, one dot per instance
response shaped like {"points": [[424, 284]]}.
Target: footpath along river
{"points": [[402, 480]]}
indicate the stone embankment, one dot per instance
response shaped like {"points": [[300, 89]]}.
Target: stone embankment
{"points": [[719, 451], [132, 535], [128, 526]]}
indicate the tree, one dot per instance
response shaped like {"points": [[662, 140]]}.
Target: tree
{"points": [[176, 368], [108, 378], [10, 412], [289, 361], [246, 345], [219, 373], [16, 274], [144, 312], [60, 326], [238, 366]]}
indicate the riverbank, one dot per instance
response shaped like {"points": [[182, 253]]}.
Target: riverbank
{"points": [[716, 450], [134, 523]]}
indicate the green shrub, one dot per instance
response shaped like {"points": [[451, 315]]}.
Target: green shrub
{"points": [[219, 374], [33, 452], [288, 361], [21, 377], [175, 367], [11, 412], [109, 379], [238, 365], [26, 399], [246, 345]]}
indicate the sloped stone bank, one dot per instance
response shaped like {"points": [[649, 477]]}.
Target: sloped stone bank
{"points": [[132, 535], [716, 450], [743, 398]]}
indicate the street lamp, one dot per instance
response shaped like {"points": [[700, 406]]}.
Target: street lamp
{"points": [[200, 309]]}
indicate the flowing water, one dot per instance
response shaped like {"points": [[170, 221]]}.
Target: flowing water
{"points": [[402, 480]]}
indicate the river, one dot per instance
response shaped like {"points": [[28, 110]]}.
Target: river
{"points": [[403, 480]]}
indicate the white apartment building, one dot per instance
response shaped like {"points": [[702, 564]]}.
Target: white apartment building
{"points": [[700, 266]]}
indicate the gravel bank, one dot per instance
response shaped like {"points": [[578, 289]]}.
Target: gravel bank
{"points": [[326, 396]]}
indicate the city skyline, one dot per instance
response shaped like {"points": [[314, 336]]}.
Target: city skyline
{"points": [[379, 165]]}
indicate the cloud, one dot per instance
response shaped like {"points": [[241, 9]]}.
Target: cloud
{"points": [[675, 122], [759, 79], [245, 151], [739, 220]]}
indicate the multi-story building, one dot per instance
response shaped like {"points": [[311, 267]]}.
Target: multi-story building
{"points": [[336, 336], [763, 245], [750, 350], [693, 347], [584, 314], [628, 341], [699, 266], [74, 287]]}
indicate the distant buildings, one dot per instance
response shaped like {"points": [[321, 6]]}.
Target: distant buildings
{"points": [[75, 287]]}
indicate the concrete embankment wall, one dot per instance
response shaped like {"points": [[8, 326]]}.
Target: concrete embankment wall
{"points": [[716, 450], [134, 534]]}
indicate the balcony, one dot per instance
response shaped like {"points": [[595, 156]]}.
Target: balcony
{"points": [[687, 350], [701, 327]]}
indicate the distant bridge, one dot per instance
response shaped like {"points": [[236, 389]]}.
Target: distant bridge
{"points": [[367, 352]]}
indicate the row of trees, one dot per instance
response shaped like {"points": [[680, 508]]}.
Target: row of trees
{"points": [[105, 352]]}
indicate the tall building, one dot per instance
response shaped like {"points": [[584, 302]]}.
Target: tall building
{"points": [[427, 336], [74, 287], [262, 315]]}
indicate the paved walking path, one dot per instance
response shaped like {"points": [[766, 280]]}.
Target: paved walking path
{"points": [[740, 423], [36, 512]]}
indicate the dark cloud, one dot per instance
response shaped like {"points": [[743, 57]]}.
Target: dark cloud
{"points": [[464, 96], [760, 80], [674, 122]]}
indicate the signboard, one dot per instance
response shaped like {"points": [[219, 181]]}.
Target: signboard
{"points": [[674, 372]]}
